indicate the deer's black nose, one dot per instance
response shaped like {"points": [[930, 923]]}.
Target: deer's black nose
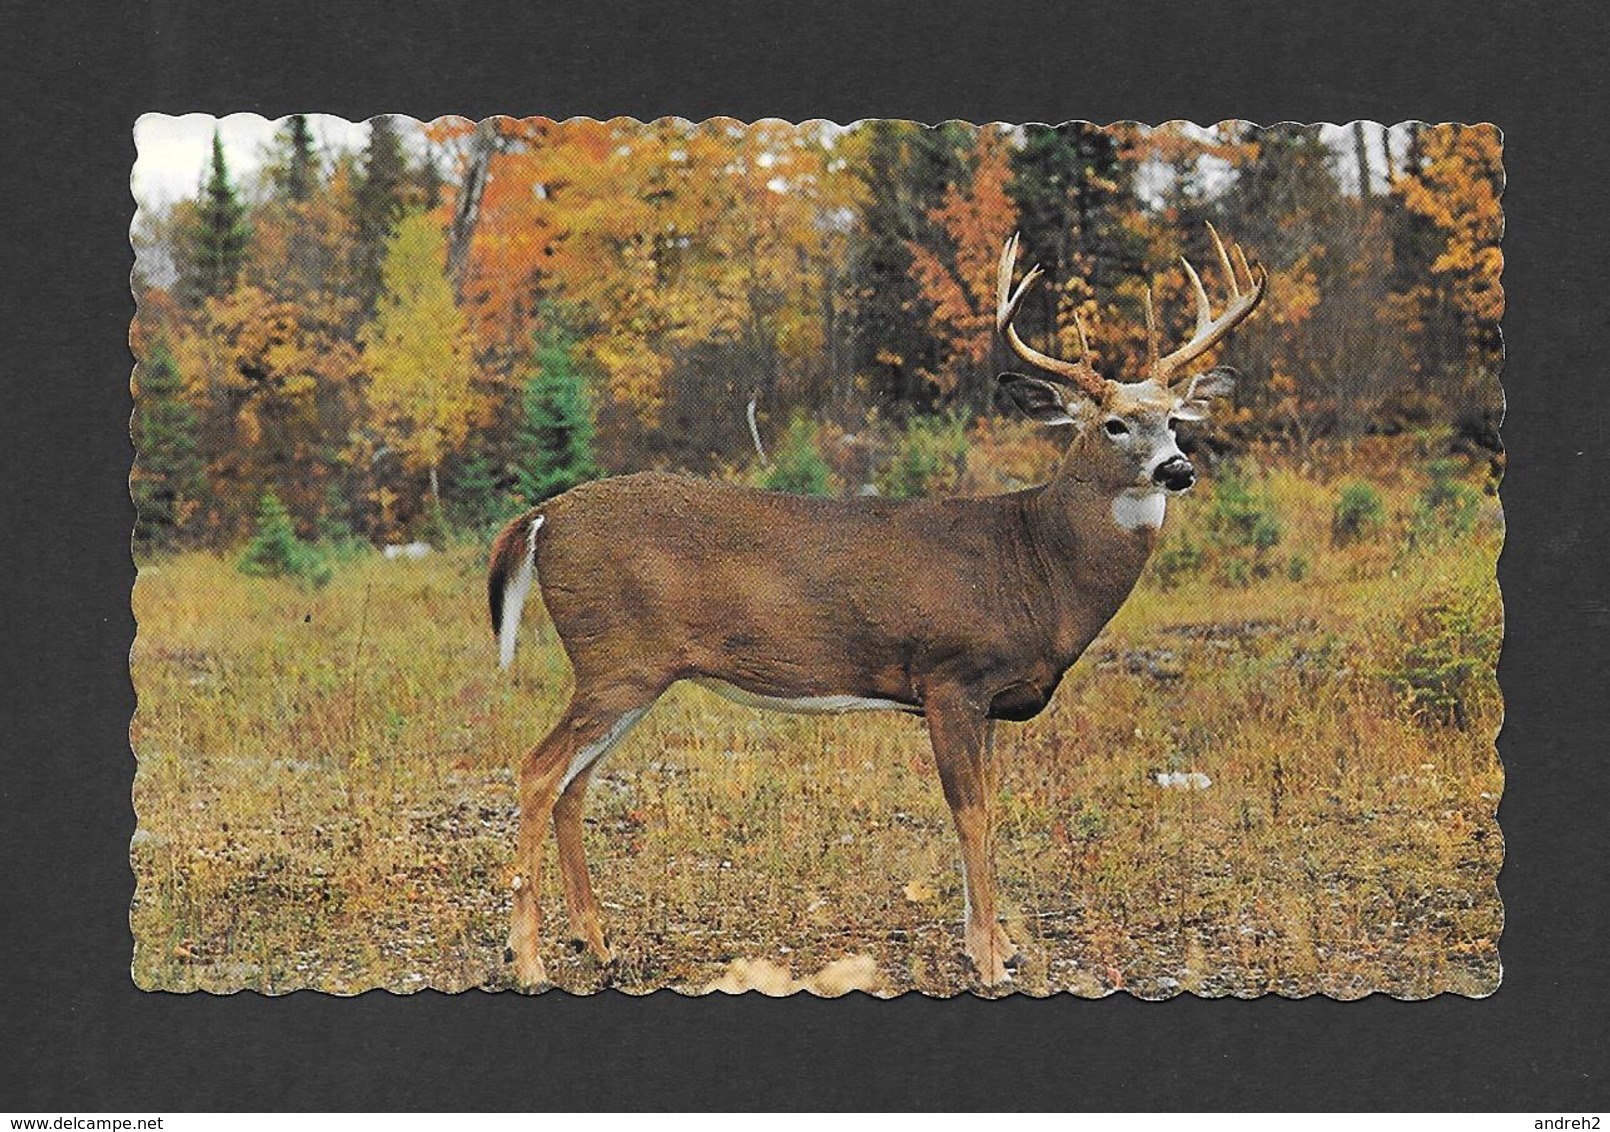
{"points": [[1175, 474]]}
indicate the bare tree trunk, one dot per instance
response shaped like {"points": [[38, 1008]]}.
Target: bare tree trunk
{"points": [[467, 210], [1362, 153], [1416, 154]]}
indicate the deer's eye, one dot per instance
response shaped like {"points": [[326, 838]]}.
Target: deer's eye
{"points": [[1116, 427]]}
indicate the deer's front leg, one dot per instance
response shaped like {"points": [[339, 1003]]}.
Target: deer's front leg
{"points": [[960, 732]]}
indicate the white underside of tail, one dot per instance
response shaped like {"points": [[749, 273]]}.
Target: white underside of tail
{"points": [[515, 592]]}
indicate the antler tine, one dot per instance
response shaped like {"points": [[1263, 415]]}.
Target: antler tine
{"points": [[1008, 307], [1241, 261], [1007, 299], [1003, 280], [1210, 331], [1152, 347], [1224, 261], [1078, 374], [1204, 310]]}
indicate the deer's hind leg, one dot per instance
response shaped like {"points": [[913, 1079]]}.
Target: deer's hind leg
{"points": [[961, 736], [581, 904], [552, 785]]}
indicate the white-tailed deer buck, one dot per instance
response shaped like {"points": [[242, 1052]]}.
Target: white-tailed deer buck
{"points": [[962, 611]]}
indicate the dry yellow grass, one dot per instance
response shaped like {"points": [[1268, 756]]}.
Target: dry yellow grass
{"points": [[326, 796]]}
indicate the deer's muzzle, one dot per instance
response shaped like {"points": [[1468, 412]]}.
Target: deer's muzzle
{"points": [[1174, 474]]}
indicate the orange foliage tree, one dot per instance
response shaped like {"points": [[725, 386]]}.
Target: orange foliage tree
{"points": [[958, 277], [667, 238], [1457, 188], [279, 390]]}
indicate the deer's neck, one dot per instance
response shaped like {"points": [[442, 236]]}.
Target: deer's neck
{"points": [[1092, 539], [1091, 486], [1097, 525]]}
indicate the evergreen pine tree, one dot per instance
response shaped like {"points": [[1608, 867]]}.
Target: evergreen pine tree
{"points": [[555, 440], [378, 205], [218, 241], [275, 551], [430, 182], [167, 481], [906, 170], [475, 498], [295, 168], [1071, 187]]}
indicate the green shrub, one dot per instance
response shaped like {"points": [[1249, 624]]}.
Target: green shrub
{"points": [[1243, 526], [1297, 568], [338, 546], [1445, 506], [1266, 533], [433, 525], [1237, 515], [1358, 515], [1446, 655], [275, 551], [1176, 560], [1235, 573], [926, 459], [800, 469]]}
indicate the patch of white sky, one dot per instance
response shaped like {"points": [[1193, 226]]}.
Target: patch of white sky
{"points": [[1340, 140], [173, 152]]}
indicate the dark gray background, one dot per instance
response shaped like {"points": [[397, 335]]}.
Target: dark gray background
{"points": [[79, 1037]]}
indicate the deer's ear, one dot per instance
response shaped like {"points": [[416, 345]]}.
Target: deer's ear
{"points": [[1196, 403], [1041, 400]]}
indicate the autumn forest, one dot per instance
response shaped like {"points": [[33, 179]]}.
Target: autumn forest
{"points": [[415, 337]]}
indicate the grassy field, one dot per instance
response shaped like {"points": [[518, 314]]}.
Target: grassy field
{"points": [[325, 787]]}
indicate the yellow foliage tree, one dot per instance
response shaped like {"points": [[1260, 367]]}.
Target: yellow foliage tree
{"points": [[417, 352]]}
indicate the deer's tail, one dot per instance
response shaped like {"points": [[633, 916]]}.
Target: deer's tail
{"points": [[509, 578]]}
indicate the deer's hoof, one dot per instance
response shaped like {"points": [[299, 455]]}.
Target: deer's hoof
{"points": [[998, 973], [530, 976]]}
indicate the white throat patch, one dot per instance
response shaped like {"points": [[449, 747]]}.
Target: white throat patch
{"points": [[1139, 507]]}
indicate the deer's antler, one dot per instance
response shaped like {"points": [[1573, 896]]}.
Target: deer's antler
{"points": [[1078, 374], [1209, 331]]}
